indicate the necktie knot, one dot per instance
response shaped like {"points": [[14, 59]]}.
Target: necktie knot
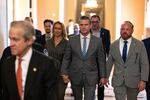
{"points": [[125, 42]]}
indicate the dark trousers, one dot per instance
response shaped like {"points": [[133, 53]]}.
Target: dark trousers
{"points": [[83, 88], [100, 93], [148, 91], [61, 88]]}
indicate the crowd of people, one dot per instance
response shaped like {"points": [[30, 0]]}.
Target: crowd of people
{"points": [[38, 66]]}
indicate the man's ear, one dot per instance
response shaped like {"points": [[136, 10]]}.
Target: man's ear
{"points": [[30, 41]]}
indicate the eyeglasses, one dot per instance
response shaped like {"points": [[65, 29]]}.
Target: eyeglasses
{"points": [[95, 22]]}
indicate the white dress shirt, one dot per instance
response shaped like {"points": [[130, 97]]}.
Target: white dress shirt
{"points": [[121, 44], [87, 41]]}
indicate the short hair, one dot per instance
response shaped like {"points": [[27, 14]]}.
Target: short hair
{"points": [[95, 16], [64, 35], [28, 29], [70, 20], [129, 22], [28, 19], [48, 20], [85, 18]]}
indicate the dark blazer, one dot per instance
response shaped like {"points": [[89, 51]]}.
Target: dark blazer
{"points": [[40, 83], [147, 46], [105, 35], [7, 51], [38, 33], [41, 40]]}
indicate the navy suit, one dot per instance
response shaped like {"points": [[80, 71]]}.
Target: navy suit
{"points": [[147, 46], [105, 35]]}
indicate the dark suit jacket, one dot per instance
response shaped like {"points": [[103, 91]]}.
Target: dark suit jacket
{"points": [[147, 46], [41, 40], [38, 33], [7, 51], [105, 35], [40, 83]]}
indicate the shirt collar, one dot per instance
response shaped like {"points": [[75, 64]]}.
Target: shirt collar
{"points": [[88, 36], [129, 40], [27, 56]]}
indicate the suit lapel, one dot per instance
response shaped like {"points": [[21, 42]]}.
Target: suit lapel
{"points": [[78, 45], [132, 47], [12, 74], [31, 72], [117, 50], [101, 33], [91, 46]]}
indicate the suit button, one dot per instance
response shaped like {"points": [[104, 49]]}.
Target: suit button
{"points": [[123, 76]]}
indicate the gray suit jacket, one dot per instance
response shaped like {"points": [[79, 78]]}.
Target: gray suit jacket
{"points": [[74, 64], [133, 70]]}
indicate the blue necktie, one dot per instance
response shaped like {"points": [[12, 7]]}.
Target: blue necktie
{"points": [[124, 52], [84, 46]]}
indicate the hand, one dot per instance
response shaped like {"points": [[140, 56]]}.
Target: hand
{"points": [[141, 86], [65, 78], [106, 82], [102, 82]]}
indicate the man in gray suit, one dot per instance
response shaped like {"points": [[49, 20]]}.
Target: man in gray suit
{"points": [[130, 64], [83, 57]]}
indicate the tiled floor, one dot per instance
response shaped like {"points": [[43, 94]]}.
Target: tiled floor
{"points": [[67, 97], [109, 95]]}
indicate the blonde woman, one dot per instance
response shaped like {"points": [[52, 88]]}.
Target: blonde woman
{"points": [[56, 47]]}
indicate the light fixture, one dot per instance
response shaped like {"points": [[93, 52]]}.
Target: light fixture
{"points": [[91, 4]]}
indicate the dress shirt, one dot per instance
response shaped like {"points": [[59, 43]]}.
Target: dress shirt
{"points": [[87, 41], [24, 65], [97, 34], [121, 44], [48, 36]]}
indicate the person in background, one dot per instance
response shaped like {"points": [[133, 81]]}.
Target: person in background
{"points": [[101, 32], [104, 34], [69, 27], [56, 47], [75, 31], [80, 65], [131, 67], [147, 45], [48, 24], [27, 74], [38, 33]]}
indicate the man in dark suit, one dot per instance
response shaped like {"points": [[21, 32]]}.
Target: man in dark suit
{"points": [[147, 45], [128, 58], [7, 51], [48, 24], [80, 65], [28, 74], [104, 34], [38, 33]]}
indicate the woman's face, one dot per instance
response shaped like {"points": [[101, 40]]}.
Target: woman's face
{"points": [[57, 30]]}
